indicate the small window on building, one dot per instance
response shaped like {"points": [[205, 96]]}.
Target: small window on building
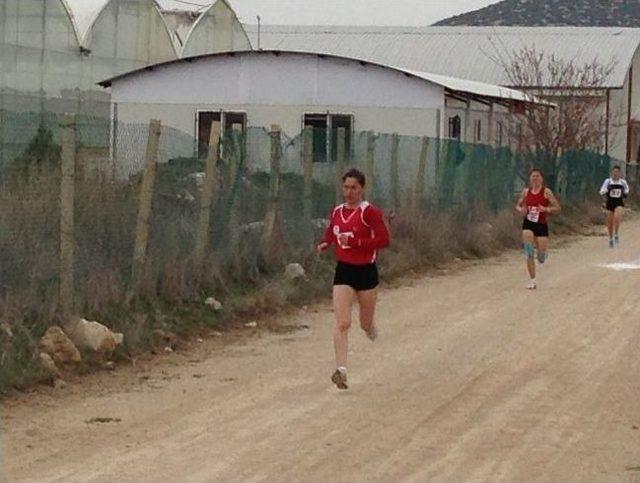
{"points": [[227, 119], [340, 121], [325, 134], [477, 129], [319, 124], [204, 120], [499, 133], [454, 127], [234, 118]]}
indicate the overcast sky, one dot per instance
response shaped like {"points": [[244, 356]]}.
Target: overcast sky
{"points": [[345, 12]]}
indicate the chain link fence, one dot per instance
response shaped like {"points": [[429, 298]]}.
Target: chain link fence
{"points": [[96, 217]]}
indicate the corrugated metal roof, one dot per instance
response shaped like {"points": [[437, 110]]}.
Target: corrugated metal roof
{"points": [[453, 84], [476, 88], [462, 52]]}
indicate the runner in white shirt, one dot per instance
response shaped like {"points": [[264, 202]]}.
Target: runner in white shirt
{"points": [[616, 189]]}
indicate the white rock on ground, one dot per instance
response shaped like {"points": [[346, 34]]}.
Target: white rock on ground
{"points": [[93, 335], [163, 339], [294, 271], [198, 178], [213, 303], [56, 344], [251, 325]]}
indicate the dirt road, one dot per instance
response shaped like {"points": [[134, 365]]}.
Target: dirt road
{"points": [[473, 378]]}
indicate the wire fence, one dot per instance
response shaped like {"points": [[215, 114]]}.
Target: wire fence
{"points": [[95, 216]]}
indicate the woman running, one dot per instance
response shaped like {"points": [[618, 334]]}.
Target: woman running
{"points": [[535, 203], [358, 231], [616, 190]]}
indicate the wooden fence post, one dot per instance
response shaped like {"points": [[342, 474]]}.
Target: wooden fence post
{"points": [[272, 235], [207, 197], [340, 162], [307, 159], [238, 150], [393, 172], [144, 210], [370, 174], [420, 181], [67, 195]]}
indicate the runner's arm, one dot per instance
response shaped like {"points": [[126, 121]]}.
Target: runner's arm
{"points": [[520, 204], [626, 187], [328, 236], [554, 204], [382, 239], [605, 187]]}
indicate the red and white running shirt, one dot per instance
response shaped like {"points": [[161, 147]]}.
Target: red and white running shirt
{"points": [[366, 231]]}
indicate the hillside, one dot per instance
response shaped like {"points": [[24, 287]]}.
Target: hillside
{"points": [[585, 13]]}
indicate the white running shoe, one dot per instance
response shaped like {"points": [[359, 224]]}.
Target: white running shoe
{"points": [[531, 285], [373, 333]]}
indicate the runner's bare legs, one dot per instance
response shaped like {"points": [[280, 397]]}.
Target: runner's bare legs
{"points": [[528, 237], [617, 219], [542, 245], [610, 224], [367, 302], [343, 298]]}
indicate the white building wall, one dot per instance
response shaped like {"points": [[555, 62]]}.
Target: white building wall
{"points": [[618, 102], [621, 100], [477, 112], [268, 79], [272, 90]]}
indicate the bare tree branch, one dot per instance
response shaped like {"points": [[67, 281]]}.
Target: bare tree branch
{"points": [[579, 122]]}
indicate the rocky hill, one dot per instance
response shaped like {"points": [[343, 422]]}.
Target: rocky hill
{"points": [[584, 13]]}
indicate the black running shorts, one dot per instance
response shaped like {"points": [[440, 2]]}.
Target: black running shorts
{"points": [[613, 203], [538, 229], [358, 277]]}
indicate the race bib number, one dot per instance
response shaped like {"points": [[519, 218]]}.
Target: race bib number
{"points": [[336, 232], [615, 193], [533, 214]]}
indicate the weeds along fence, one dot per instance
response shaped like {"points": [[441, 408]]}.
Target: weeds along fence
{"points": [[94, 219]]}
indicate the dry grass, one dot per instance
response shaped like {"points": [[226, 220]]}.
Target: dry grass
{"points": [[172, 291]]}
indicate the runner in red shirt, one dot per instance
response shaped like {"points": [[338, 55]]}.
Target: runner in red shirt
{"points": [[358, 231], [534, 204]]}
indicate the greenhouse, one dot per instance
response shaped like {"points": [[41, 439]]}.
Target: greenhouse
{"points": [[53, 53], [216, 30]]}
